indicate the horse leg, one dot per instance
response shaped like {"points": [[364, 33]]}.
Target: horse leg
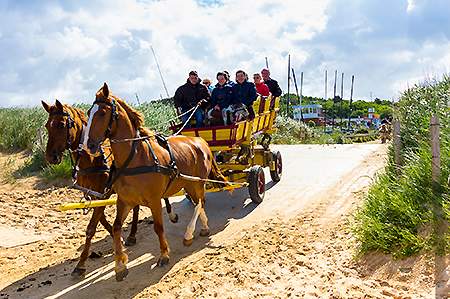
{"points": [[80, 268], [197, 193], [172, 215], [105, 222], [131, 240], [204, 232], [120, 257], [159, 230]]}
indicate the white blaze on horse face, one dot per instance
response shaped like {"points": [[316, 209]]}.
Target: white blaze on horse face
{"points": [[88, 128], [190, 229]]}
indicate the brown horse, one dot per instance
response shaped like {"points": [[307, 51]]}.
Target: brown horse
{"points": [[65, 129], [145, 165]]}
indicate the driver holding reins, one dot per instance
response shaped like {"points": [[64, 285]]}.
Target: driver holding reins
{"points": [[190, 94]]}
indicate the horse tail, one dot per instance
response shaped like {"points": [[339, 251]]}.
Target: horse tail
{"points": [[216, 174]]}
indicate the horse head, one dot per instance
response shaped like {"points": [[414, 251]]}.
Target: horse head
{"points": [[101, 123], [64, 127]]}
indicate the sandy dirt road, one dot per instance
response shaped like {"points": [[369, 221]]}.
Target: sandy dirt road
{"points": [[296, 243]]}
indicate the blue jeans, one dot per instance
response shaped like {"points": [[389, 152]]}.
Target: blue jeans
{"points": [[198, 115]]}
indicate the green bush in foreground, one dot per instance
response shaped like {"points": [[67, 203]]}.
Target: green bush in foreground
{"points": [[403, 212]]}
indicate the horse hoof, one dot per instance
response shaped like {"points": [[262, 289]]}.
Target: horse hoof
{"points": [[188, 242], [121, 274], [175, 219], [204, 232], [163, 260], [78, 272], [130, 241]]}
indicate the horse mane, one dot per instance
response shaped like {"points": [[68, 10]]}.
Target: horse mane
{"points": [[77, 113], [136, 118]]}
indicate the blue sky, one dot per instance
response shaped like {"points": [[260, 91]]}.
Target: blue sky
{"points": [[67, 49]]}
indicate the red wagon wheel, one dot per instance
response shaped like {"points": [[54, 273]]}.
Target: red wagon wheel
{"points": [[276, 174], [256, 184]]}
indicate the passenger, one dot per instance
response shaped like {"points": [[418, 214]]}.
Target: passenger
{"points": [[208, 85], [221, 98], [274, 88], [244, 94], [228, 78], [189, 95], [261, 87]]}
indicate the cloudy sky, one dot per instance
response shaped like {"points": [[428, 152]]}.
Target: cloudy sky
{"points": [[67, 49]]}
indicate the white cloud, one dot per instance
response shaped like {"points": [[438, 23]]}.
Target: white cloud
{"points": [[411, 5], [68, 51]]}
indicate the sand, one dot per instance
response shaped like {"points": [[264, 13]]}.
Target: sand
{"points": [[297, 243]]}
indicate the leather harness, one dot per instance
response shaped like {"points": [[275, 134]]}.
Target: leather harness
{"points": [[171, 170]]}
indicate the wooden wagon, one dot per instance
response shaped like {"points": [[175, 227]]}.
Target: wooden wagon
{"points": [[242, 149]]}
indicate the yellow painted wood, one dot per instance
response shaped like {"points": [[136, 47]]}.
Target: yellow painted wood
{"points": [[277, 102], [87, 204], [223, 134], [267, 105], [206, 134], [256, 104], [221, 148], [240, 131], [188, 133], [233, 167]]}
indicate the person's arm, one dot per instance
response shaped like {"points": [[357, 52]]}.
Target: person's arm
{"points": [[213, 99], [205, 97], [178, 98], [277, 90], [252, 93]]}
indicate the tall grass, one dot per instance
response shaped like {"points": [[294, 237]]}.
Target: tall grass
{"points": [[19, 127], [403, 209], [23, 129]]}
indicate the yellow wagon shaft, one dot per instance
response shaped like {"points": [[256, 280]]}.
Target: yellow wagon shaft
{"points": [[87, 204]]}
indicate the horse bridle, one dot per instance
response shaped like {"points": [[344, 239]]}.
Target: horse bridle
{"points": [[70, 123], [114, 114]]}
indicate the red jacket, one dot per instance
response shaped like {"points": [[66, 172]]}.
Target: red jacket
{"points": [[262, 89]]}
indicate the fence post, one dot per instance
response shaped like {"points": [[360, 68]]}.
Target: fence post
{"points": [[397, 143], [435, 150]]}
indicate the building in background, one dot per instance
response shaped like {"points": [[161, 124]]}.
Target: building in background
{"points": [[311, 112]]}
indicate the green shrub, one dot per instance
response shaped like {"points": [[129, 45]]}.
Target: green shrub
{"points": [[291, 131], [62, 170]]}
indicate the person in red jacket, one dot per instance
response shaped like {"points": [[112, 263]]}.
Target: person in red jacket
{"points": [[261, 87]]}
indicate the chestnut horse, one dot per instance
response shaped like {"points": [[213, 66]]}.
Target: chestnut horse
{"points": [[146, 171], [65, 129]]}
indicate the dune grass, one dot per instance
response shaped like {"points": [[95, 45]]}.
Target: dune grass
{"points": [[404, 211]]}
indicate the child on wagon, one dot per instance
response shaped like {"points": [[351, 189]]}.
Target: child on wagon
{"points": [[221, 98]]}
